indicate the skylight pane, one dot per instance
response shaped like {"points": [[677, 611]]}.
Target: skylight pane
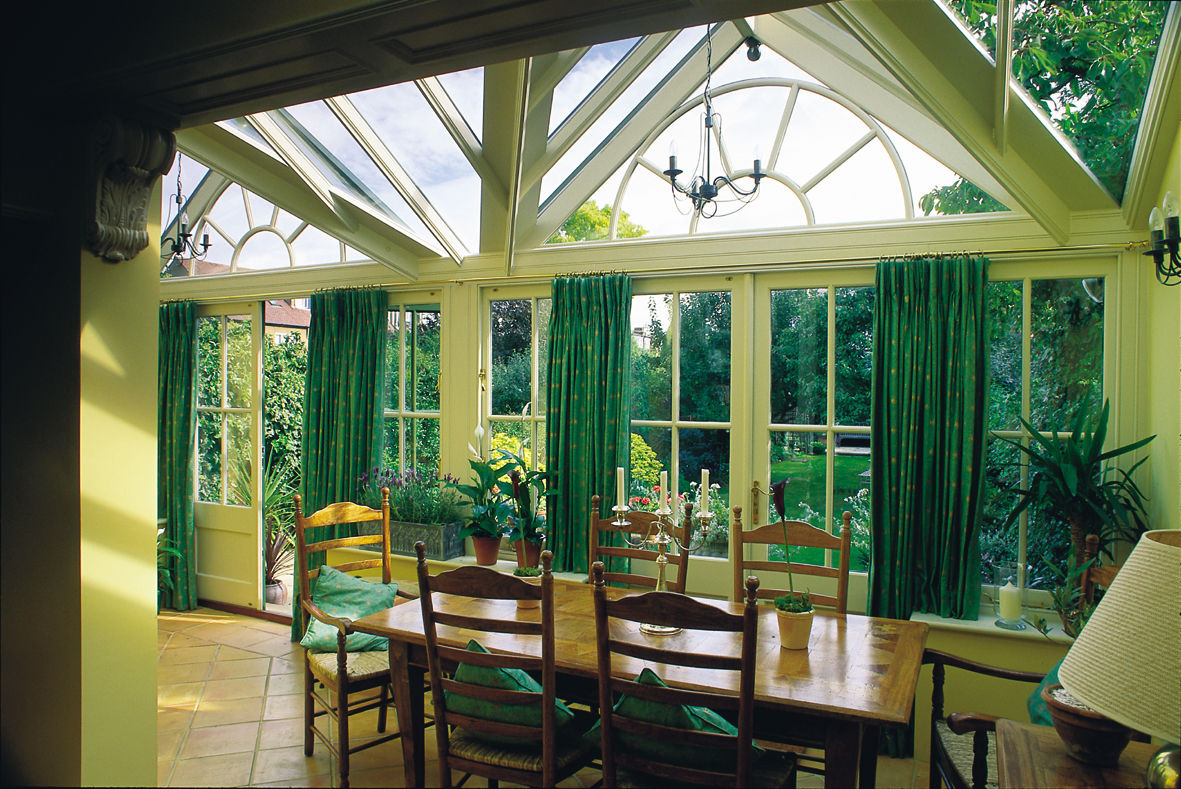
{"points": [[466, 89], [421, 144], [192, 172], [263, 251], [315, 247], [586, 75], [242, 128], [820, 131], [863, 189], [656, 72]]}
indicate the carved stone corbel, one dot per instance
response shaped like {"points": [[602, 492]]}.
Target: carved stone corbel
{"points": [[124, 159]]}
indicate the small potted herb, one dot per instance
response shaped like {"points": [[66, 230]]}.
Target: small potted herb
{"points": [[793, 610], [527, 572]]}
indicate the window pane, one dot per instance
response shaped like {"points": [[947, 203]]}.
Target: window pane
{"points": [[239, 358], [391, 435], [422, 362], [540, 458], [1004, 314], [209, 457], [512, 343], [799, 458], [393, 354], [851, 492], [544, 310], [512, 436], [710, 449], [651, 358], [705, 357], [238, 446], [799, 359], [209, 361], [998, 543], [650, 452], [1066, 350], [854, 354], [422, 445]]}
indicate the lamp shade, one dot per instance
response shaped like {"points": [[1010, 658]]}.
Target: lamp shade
{"points": [[1126, 664]]}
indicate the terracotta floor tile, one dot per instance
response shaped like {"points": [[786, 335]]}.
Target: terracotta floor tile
{"points": [[233, 634], [895, 773], [278, 764], [271, 628], [284, 707], [181, 693], [241, 688], [385, 776], [213, 740], [328, 779], [163, 771], [172, 719], [288, 666], [284, 733], [388, 754], [181, 640], [279, 646], [236, 653], [175, 656], [168, 744], [233, 669], [285, 684], [219, 713], [176, 673], [231, 769]]}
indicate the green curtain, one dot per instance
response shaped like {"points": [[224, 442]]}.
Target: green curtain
{"points": [[176, 424], [929, 411], [589, 406], [342, 407]]}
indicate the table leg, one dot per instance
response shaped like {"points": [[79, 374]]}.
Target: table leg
{"points": [[842, 746], [409, 699], [869, 756]]}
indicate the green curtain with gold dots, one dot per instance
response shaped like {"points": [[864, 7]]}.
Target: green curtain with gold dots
{"points": [[342, 407], [929, 411], [176, 424], [589, 405]]}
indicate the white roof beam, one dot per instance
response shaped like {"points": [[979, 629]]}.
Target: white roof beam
{"points": [[591, 108], [373, 145], [546, 81], [272, 180], [520, 99], [200, 200], [621, 144], [290, 153], [1004, 68], [951, 83], [452, 118]]}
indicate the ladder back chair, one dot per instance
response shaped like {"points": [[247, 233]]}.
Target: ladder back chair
{"points": [[473, 731], [639, 524], [352, 681], [799, 535], [641, 741]]}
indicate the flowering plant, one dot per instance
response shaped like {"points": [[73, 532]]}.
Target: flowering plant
{"points": [[415, 496], [793, 601], [489, 497], [528, 492]]}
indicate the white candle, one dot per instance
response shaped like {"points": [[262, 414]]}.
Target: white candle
{"points": [[663, 488], [619, 486], [1010, 602], [704, 493], [533, 499]]}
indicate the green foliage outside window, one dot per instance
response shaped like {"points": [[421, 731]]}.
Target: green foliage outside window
{"points": [[591, 222]]}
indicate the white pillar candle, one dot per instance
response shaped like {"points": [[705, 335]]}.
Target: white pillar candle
{"points": [[704, 493], [663, 488], [1010, 602], [533, 499], [619, 486]]}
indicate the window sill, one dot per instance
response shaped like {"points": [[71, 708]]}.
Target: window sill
{"points": [[985, 624]]}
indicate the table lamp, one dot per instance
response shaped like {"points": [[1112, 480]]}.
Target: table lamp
{"points": [[1126, 663]]}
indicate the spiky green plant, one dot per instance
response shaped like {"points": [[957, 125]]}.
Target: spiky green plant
{"points": [[1070, 479]]}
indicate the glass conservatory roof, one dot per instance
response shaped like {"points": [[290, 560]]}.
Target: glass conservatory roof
{"points": [[849, 124]]}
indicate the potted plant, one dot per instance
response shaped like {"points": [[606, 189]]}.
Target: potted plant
{"points": [[793, 610], [527, 572], [488, 496], [422, 507], [165, 553], [278, 517], [527, 533], [1067, 599], [1069, 480]]}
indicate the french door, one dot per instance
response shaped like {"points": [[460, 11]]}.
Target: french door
{"points": [[228, 468]]}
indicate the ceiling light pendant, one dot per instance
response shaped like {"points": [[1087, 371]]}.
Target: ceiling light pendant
{"points": [[703, 191], [176, 249], [1164, 234]]}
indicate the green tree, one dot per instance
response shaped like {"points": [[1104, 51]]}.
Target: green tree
{"points": [[591, 223], [285, 365], [1087, 62]]}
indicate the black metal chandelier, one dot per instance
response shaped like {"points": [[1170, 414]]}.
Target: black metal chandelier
{"points": [[703, 191], [182, 246], [1164, 234]]}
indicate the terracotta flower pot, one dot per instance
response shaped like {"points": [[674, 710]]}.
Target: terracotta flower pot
{"points": [[794, 629], [528, 553], [487, 550], [1089, 737], [276, 593], [528, 604]]}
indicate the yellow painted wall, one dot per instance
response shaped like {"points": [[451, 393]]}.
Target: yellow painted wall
{"points": [[117, 481], [1164, 381]]}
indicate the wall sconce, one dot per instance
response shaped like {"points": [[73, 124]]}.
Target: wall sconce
{"points": [[1164, 234]]}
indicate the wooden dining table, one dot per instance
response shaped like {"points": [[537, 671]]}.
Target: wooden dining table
{"points": [[856, 677]]}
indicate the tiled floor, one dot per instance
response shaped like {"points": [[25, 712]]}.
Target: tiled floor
{"points": [[230, 707]]}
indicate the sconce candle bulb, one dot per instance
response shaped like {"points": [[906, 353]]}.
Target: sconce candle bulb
{"points": [[1164, 239]]}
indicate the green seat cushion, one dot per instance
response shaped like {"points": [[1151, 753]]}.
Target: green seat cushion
{"points": [[340, 594], [506, 679], [679, 715], [1036, 704]]}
